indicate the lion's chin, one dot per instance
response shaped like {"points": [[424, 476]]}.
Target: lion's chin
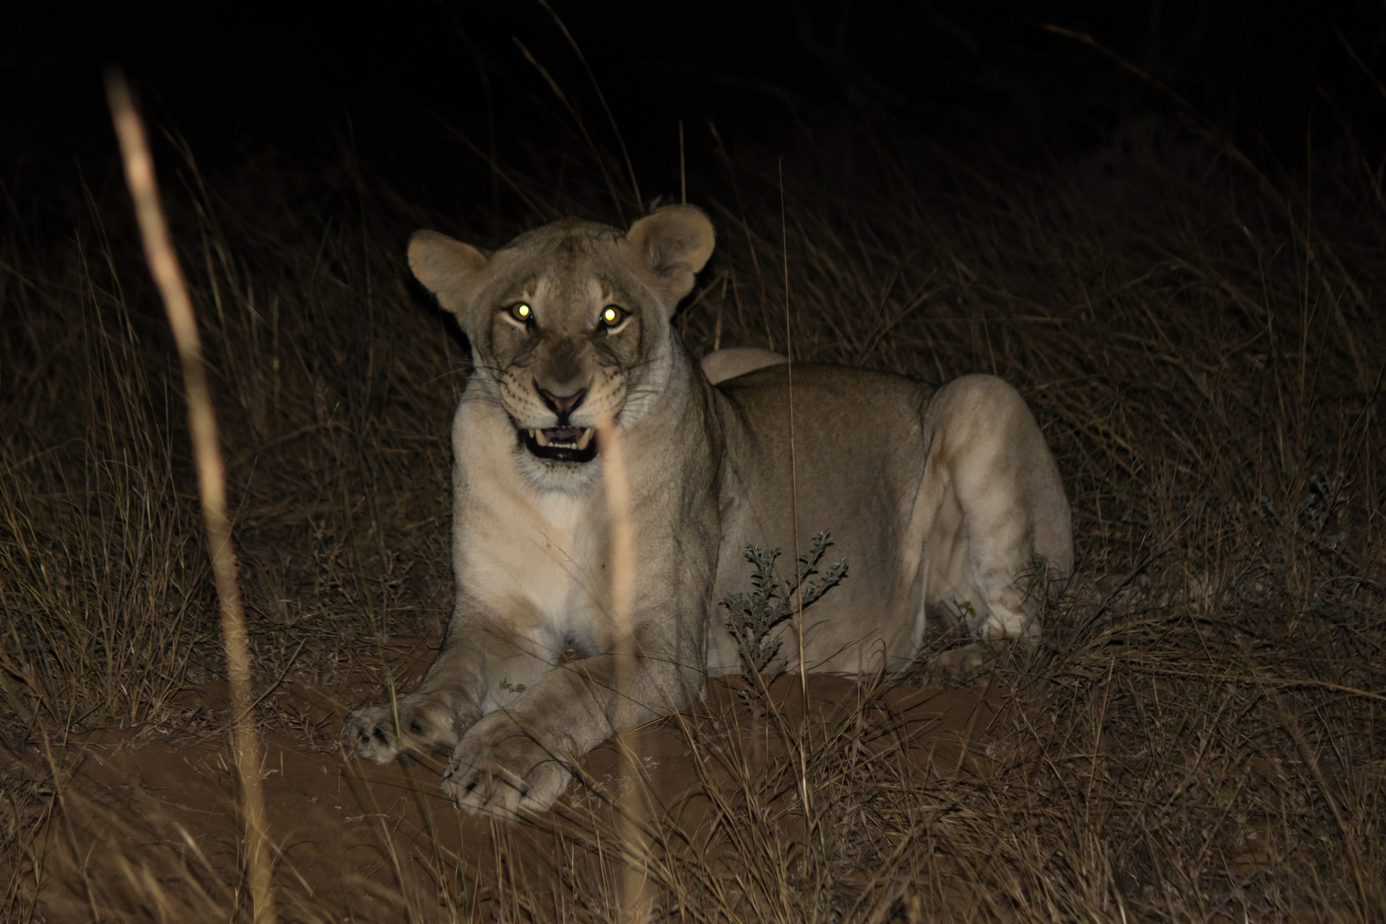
{"points": [[561, 444]]}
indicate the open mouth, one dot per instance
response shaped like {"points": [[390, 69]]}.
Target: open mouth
{"points": [[562, 444]]}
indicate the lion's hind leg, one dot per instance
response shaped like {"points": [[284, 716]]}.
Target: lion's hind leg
{"points": [[1002, 526]]}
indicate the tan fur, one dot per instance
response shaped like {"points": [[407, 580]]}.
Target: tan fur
{"points": [[941, 503], [737, 361]]}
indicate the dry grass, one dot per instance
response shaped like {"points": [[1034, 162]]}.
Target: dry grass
{"points": [[1200, 738]]}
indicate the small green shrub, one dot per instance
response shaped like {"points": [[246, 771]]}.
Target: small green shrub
{"points": [[753, 616]]}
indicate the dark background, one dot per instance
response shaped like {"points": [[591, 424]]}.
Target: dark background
{"points": [[394, 82]]}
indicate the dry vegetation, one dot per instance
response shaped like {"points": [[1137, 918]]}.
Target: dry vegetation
{"points": [[1202, 736]]}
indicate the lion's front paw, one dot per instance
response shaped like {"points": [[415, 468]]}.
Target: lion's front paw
{"points": [[411, 724], [500, 769]]}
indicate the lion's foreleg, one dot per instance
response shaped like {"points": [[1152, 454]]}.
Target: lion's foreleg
{"points": [[520, 756]]}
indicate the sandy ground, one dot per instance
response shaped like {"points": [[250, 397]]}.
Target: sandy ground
{"points": [[149, 817]]}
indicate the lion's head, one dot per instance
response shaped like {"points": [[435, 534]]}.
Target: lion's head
{"points": [[569, 324]]}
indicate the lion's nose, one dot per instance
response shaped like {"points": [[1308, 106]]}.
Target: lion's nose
{"points": [[562, 405]]}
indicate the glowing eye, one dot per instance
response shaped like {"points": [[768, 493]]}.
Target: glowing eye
{"points": [[612, 316], [520, 311]]}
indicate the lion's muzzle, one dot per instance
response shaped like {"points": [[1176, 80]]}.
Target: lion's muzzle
{"points": [[561, 444]]}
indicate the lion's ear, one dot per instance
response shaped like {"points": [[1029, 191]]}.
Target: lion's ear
{"points": [[445, 266], [674, 243]]}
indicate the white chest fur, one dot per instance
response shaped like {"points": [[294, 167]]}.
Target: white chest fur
{"points": [[533, 557]]}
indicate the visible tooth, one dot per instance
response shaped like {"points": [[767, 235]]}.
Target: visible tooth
{"points": [[585, 439], [539, 437]]}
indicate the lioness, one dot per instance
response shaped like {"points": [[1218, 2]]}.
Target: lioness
{"points": [[941, 503]]}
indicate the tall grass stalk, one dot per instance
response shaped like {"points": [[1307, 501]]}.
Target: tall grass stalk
{"points": [[211, 478]]}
